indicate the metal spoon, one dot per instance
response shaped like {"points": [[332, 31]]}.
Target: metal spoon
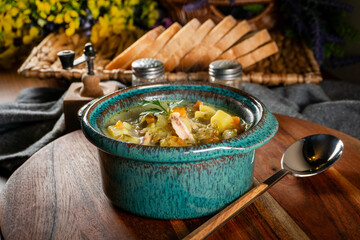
{"points": [[306, 157]]}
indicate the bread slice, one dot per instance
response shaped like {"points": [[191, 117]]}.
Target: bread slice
{"points": [[247, 45], [193, 58], [258, 54], [177, 41], [126, 57], [226, 42], [160, 42], [189, 43], [233, 35]]}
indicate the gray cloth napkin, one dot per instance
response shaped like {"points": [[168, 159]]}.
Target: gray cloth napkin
{"points": [[331, 103], [36, 117], [30, 122]]}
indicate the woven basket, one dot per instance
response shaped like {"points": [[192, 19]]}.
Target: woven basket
{"points": [[294, 63], [266, 19]]}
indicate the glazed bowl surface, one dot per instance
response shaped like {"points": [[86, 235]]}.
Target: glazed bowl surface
{"points": [[178, 182]]}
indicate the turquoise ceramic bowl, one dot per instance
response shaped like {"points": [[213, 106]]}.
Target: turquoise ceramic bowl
{"points": [[178, 182]]}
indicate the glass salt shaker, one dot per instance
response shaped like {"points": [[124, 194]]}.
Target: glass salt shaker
{"points": [[226, 72], [147, 70]]}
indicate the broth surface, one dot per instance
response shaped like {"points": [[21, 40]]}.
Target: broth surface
{"points": [[173, 124]]}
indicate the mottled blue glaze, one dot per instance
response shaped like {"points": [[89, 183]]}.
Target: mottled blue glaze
{"points": [[178, 182]]}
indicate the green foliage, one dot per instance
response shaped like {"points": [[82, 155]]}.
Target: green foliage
{"points": [[254, 8], [160, 109]]}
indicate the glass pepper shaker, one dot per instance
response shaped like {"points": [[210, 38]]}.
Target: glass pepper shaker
{"points": [[147, 70], [226, 72]]}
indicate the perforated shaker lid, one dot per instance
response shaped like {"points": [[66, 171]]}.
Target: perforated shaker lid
{"points": [[225, 69], [147, 68]]}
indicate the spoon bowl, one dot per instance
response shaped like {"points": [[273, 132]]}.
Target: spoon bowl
{"points": [[306, 157], [312, 155]]}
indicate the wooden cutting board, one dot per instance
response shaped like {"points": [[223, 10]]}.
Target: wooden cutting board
{"points": [[57, 194]]}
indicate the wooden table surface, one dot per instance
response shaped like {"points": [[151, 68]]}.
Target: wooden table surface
{"points": [[57, 193]]}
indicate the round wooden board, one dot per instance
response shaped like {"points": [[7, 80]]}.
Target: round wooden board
{"points": [[57, 194]]}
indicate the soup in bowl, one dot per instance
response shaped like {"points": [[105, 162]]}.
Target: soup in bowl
{"points": [[189, 159], [174, 124]]}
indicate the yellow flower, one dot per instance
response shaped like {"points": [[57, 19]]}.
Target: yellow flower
{"points": [[43, 15], [73, 14], [7, 24], [14, 12], [21, 5], [69, 31], [94, 33], [103, 3], [114, 11], [19, 23], [27, 39], [51, 18], [75, 4], [133, 2], [34, 32], [8, 7], [118, 25], [59, 19], [67, 17], [59, 6], [47, 7], [105, 26], [27, 20], [74, 24], [43, 6], [95, 13]]}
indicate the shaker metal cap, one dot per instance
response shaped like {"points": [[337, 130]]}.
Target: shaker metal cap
{"points": [[147, 68], [225, 69]]}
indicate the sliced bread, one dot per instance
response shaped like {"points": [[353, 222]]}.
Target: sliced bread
{"points": [[126, 57], [189, 43], [194, 57], [258, 54], [247, 45], [177, 41], [160, 42], [226, 42]]}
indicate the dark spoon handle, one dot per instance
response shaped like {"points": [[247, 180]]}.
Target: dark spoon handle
{"points": [[231, 210]]}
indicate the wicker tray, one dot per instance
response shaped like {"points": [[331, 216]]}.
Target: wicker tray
{"points": [[294, 63]]}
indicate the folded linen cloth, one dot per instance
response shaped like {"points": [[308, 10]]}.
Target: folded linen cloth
{"points": [[30, 122], [36, 117], [331, 103]]}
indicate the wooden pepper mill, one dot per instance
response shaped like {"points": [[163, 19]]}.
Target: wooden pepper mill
{"points": [[80, 93]]}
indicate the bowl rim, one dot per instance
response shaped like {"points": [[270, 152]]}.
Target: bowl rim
{"points": [[221, 146]]}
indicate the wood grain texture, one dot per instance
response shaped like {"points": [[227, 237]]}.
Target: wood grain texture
{"points": [[11, 83], [225, 214], [57, 194]]}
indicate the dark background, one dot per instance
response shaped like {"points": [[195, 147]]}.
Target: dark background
{"points": [[350, 73]]}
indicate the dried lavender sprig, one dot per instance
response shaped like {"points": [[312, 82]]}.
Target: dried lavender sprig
{"points": [[332, 38], [195, 5], [335, 3]]}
